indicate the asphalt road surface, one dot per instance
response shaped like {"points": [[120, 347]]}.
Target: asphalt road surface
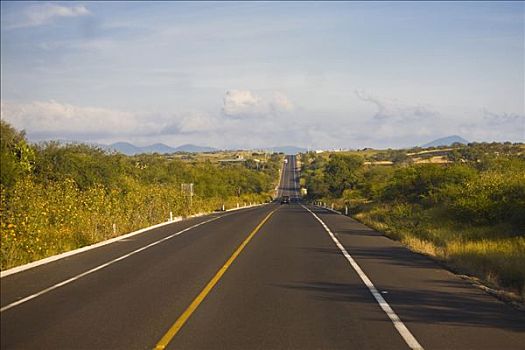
{"points": [[271, 277]]}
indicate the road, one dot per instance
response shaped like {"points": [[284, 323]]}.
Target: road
{"points": [[270, 277]]}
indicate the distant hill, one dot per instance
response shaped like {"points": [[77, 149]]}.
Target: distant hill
{"points": [[130, 149], [288, 149], [157, 148], [446, 141], [194, 149], [123, 147], [161, 148]]}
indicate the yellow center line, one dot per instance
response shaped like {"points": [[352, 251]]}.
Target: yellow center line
{"points": [[175, 328]]}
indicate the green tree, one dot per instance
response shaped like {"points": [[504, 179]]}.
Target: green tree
{"points": [[16, 155], [341, 173]]}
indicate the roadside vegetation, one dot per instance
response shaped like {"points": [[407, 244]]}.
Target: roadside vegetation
{"points": [[468, 211], [57, 197]]}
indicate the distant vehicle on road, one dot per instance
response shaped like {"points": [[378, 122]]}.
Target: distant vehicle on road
{"points": [[285, 200]]}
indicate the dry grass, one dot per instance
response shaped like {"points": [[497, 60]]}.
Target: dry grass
{"points": [[500, 262], [488, 253], [214, 157], [432, 160]]}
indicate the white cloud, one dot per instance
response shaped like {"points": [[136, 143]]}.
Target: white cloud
{"points": [[40, 14], [47, 119], [246, 104], [193, 122], [498, 127], [504, 118], [398, 124], [241, 102], [281, 103], [388, 109]]}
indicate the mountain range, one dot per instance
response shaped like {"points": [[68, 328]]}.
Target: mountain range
{"points": [[130, 149], [446, 141]]}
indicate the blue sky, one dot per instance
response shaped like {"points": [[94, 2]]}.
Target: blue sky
{"points": [[234, 74]]}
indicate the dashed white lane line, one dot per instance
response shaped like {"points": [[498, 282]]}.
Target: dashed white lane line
{"points": [[398, 324]]}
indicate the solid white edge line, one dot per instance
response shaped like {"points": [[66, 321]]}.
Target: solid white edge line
{"points": [[99, 244], [330, 209], [398, 324]]}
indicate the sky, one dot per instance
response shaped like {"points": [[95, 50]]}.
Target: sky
{"points": [[260, 74]]}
